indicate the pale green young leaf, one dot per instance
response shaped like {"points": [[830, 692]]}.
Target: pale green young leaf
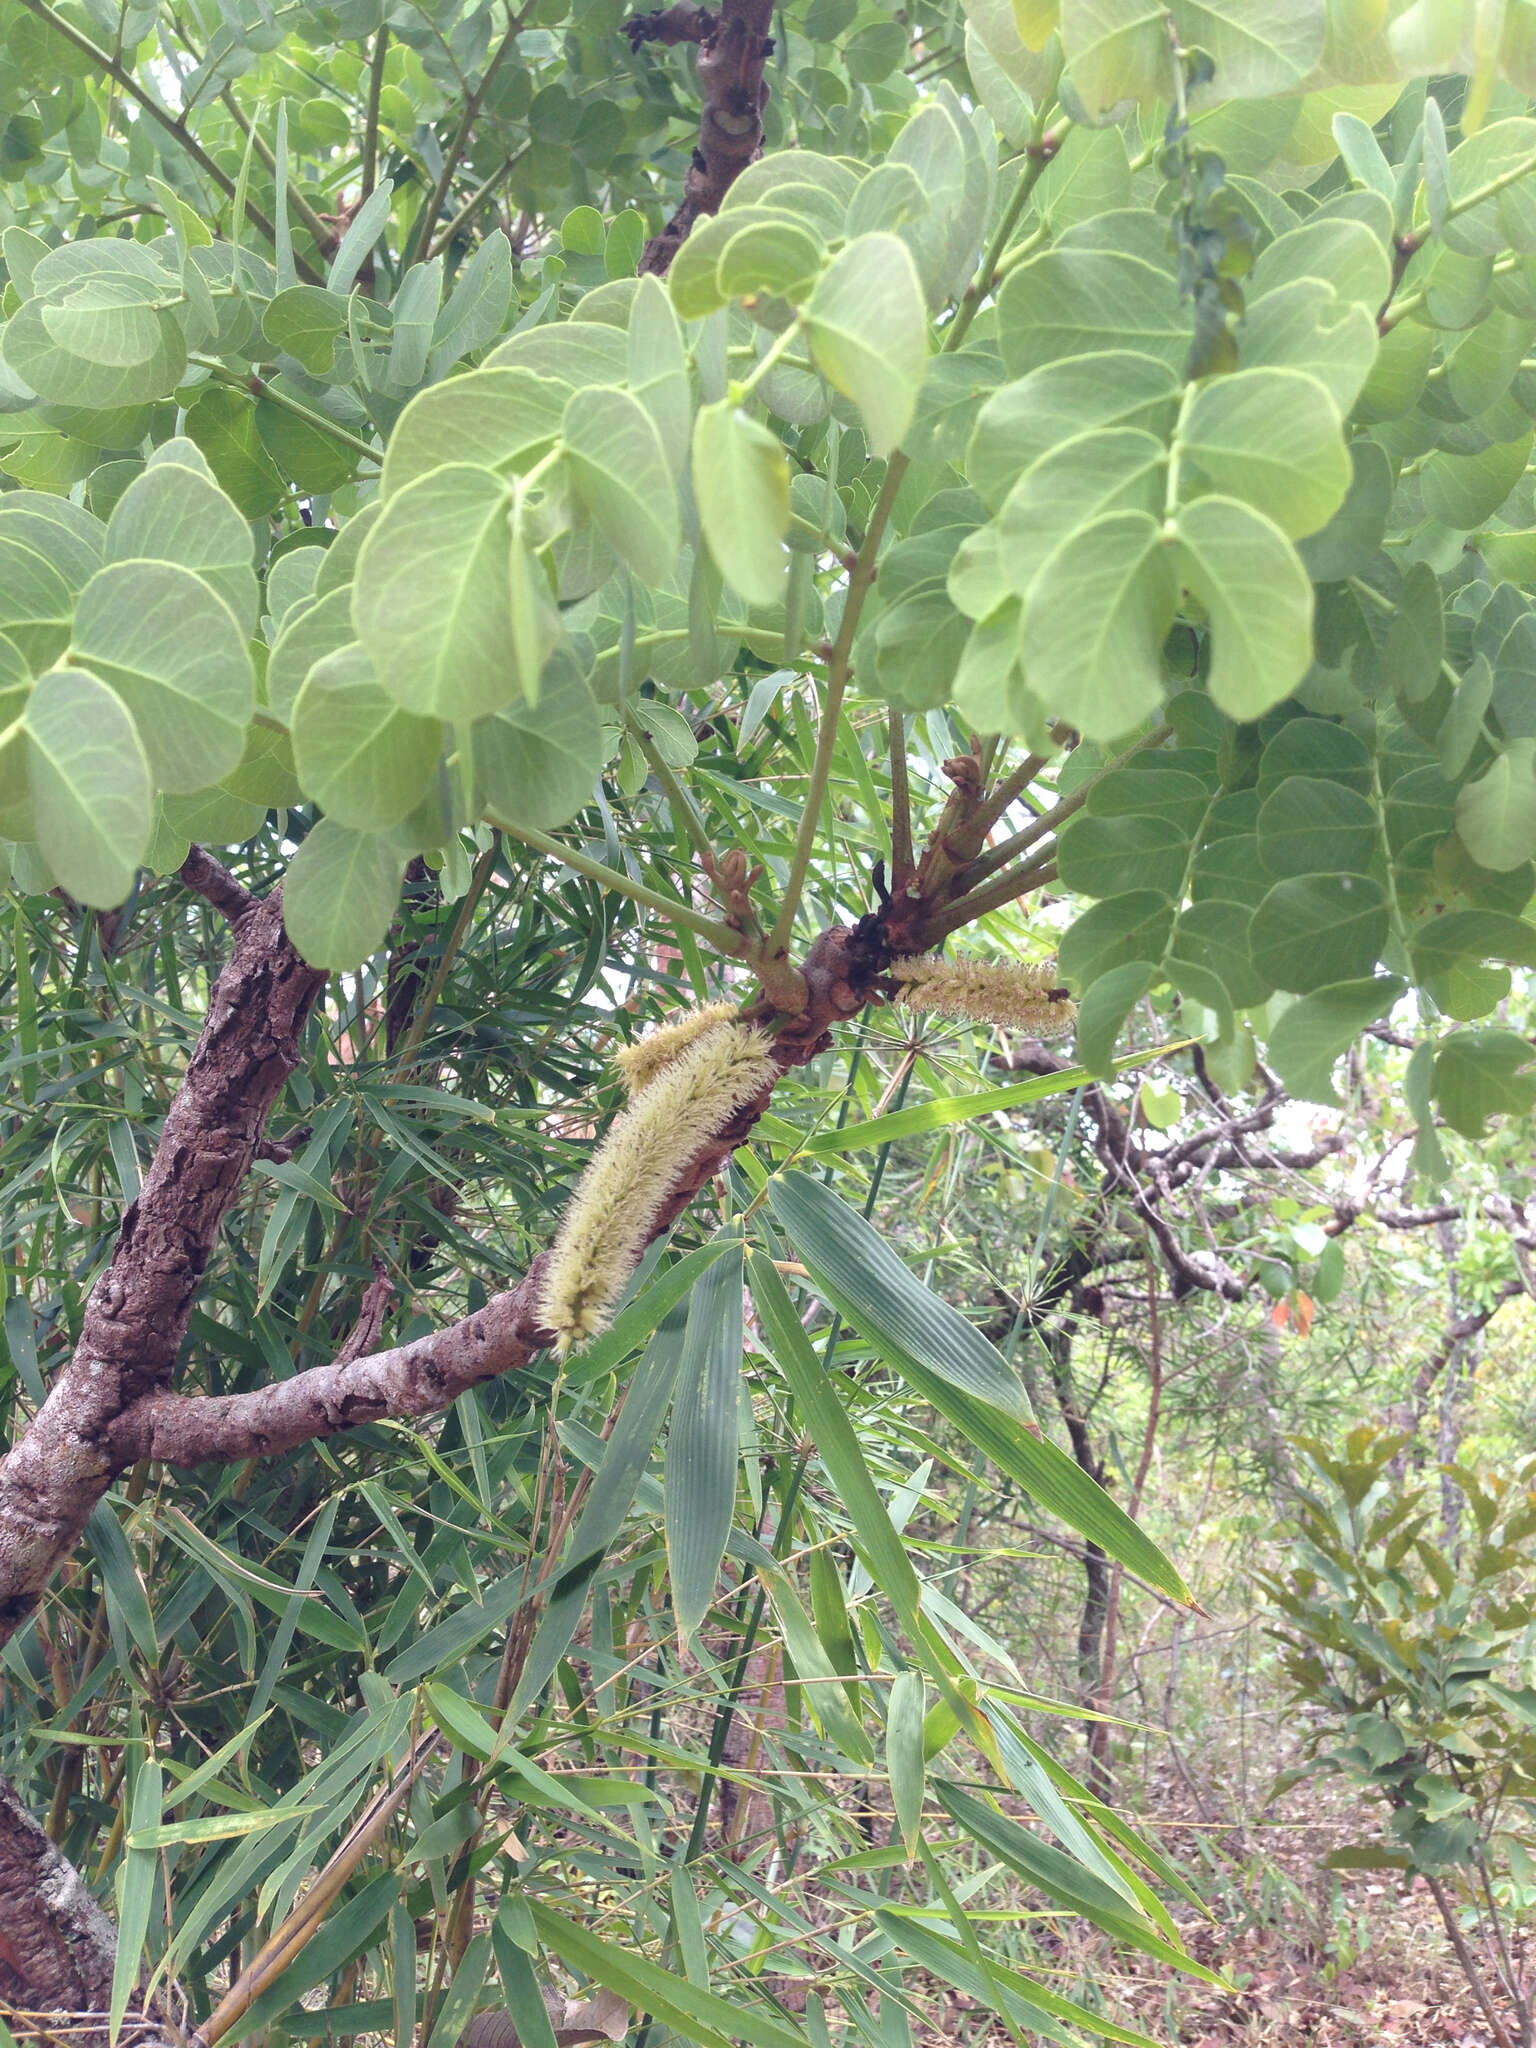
{"points": [[362, 758], [1093, 631], [173, 651], [340, 894], [869, 334], [1259, 597], [431, 600], [741, 487], [536, 764], [172, 513], [503, 419], [1026, 419], [91, 792], [1271, 438], [620, 472]]}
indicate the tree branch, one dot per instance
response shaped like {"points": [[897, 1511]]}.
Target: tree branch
{"points": [[734, 47], [57, 1947], [138, 1311]]}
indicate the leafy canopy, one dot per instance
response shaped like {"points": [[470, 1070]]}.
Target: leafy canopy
{"points": [[1177, 375]]}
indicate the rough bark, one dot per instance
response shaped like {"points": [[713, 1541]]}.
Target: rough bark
{"points": [[57, 1947], [136, 1317], [734, 46]]}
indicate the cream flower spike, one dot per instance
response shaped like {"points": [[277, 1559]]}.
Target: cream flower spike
{"points": [[640, 1063], [610, 1218], [1019, 996]]}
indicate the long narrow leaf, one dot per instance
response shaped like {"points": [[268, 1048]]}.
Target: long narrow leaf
{"points": [[703, 1443]]}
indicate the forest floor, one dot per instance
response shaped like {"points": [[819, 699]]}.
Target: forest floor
{"points": [[1332, 1959]]}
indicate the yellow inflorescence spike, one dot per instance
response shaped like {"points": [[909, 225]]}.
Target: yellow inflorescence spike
{"points": [[609, 1220], [640, 1063], [1017, 995]]}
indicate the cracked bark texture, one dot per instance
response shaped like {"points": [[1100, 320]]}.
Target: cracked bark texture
{"points": [[57, 1947], [734, 47], [136, 1317]]}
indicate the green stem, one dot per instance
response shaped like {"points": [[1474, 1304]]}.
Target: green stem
{"points": [[839, 669], [1401, 308], [422, 234], [406, 1049], [113, 68], [1042, 147], [902, 863], [720, 936], [474, 202], [324, 238], [260, 388], [742, 389], [1493, 188], [371, 119], [682, 803]]}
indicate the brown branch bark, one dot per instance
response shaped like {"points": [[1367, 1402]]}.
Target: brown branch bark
{"points": [[734, 47], [57, 1947], [137, 1314]]}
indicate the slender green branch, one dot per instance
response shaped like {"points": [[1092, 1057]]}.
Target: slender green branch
{"points": [[902, 862], [406, 1049], [1494, 186], [1042, 146], [113, 68], [371, 118], [422, 234], [474, 202], [993, 895], [323, 237], [743, 388], [260, 388], [1008, 791], [720, 936], [682, 803], [839, 668], [1049, 821]]}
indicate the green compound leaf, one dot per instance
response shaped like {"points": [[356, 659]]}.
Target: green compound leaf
{"points": [[741, 487], [432, 598], [537, 763], [1314, 1034], [1059, 401], [1308, 826], [340, 894], [1250, 579], [1072, 302], [496, 419], [173, 651], [174, 513], [1272, 438], [1098, 614], [621, 474], [91, 792], [360, 756], [868, 330], [1314, 929], [1496, 814]]}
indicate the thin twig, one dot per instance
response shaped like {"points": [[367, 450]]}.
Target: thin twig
{"points": [[371, 118], [173, 124]]}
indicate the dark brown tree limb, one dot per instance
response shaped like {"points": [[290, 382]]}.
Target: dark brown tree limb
{"points": [[57, 1947], [137, 1314], [734, 48]]}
